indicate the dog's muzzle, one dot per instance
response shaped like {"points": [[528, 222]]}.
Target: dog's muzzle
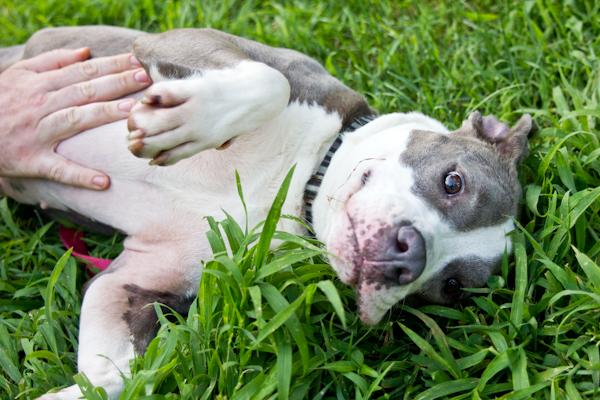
{"points": [[399, 258], [409, 256]]}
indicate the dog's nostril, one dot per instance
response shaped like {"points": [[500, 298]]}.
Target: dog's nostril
{"points": [[401, 246], [407, 255]]}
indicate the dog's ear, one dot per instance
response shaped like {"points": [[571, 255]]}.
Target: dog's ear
{"points": [[511, 143]]}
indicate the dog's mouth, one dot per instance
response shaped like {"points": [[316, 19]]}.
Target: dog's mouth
{"points": [[372, 253], [372, 279], [358, 258], [355, 260]]}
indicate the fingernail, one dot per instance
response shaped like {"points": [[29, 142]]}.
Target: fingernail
{"points": [[138, 133], [126, 105], [100, 181], [134, 61], [141, 76], [83, 52]]}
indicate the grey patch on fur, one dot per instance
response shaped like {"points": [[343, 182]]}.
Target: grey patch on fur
{"points": [[471, 272], [178, 53], [141, 316], [80, 220], [16, 186], [201, 49], [173, 71], [102, 40], [10, 55], [491, 189], [191, 49]]}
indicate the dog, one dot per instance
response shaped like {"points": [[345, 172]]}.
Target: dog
{"points": [[403, 205]]}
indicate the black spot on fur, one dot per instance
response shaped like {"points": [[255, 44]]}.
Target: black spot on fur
{"points": [[141, 317]]}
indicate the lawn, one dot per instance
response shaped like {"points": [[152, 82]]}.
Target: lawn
{"points": [[277, 323]]}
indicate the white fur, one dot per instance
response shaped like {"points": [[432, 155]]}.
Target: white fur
{"points": [[162, 210], [217, 106], [346, 216]]}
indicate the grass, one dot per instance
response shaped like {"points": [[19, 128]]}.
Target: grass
{"points": [[276, 323]]}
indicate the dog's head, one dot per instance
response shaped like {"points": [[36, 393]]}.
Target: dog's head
{"points": [[408, 208]]}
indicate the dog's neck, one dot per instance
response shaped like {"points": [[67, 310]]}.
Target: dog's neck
{"points": [[314, 183]]}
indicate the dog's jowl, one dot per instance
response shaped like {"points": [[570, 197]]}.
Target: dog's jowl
{"points": [[404, 206]]}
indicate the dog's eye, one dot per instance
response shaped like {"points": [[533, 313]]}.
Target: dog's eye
{"points": [[453, 288], [453, 183]]}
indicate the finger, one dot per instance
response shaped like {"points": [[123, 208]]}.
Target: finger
{"points": [[177, 154], [59, 169], [145, 121], [149, 147], [100, 89], [166, 94], [70, 121], [87, 70], [53, 59]]}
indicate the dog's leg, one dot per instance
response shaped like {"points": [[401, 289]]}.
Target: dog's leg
{"points": [[118, 319], [211, 87], [179, 118]]}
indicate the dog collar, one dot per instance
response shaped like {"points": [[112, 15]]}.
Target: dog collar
{"points": [[314, 183]]}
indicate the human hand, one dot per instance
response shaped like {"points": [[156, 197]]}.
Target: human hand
{"points": [[53, 96]]}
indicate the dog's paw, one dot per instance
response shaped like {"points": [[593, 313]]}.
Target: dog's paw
{"points": [[165, 125], [179, 118]]}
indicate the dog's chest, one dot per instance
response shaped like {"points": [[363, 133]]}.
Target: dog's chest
{"points": [[299, 137]]}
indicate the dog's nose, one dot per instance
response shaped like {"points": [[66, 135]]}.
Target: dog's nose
{"points": [[408, 256]]}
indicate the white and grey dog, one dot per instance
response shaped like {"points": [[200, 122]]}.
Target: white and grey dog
{"points": [[403, 205]]}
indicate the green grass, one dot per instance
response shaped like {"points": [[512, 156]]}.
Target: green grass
{"points": [[262, 329]]}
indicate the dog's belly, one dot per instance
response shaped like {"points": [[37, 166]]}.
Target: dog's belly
{"points": [[169, 203], [141, 198]]}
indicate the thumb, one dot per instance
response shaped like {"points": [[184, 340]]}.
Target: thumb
{"points": [[59, 169]]}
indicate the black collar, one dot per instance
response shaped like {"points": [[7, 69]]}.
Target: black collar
{"points": [[313, 184]]}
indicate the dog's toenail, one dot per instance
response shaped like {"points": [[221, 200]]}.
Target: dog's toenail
{"points": [[159, 160], [137, 134], [225, 145], [136, 147], [151, 99]]}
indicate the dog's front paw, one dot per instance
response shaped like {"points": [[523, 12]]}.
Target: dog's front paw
{"points": [[170, 123], [179, 118]]}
